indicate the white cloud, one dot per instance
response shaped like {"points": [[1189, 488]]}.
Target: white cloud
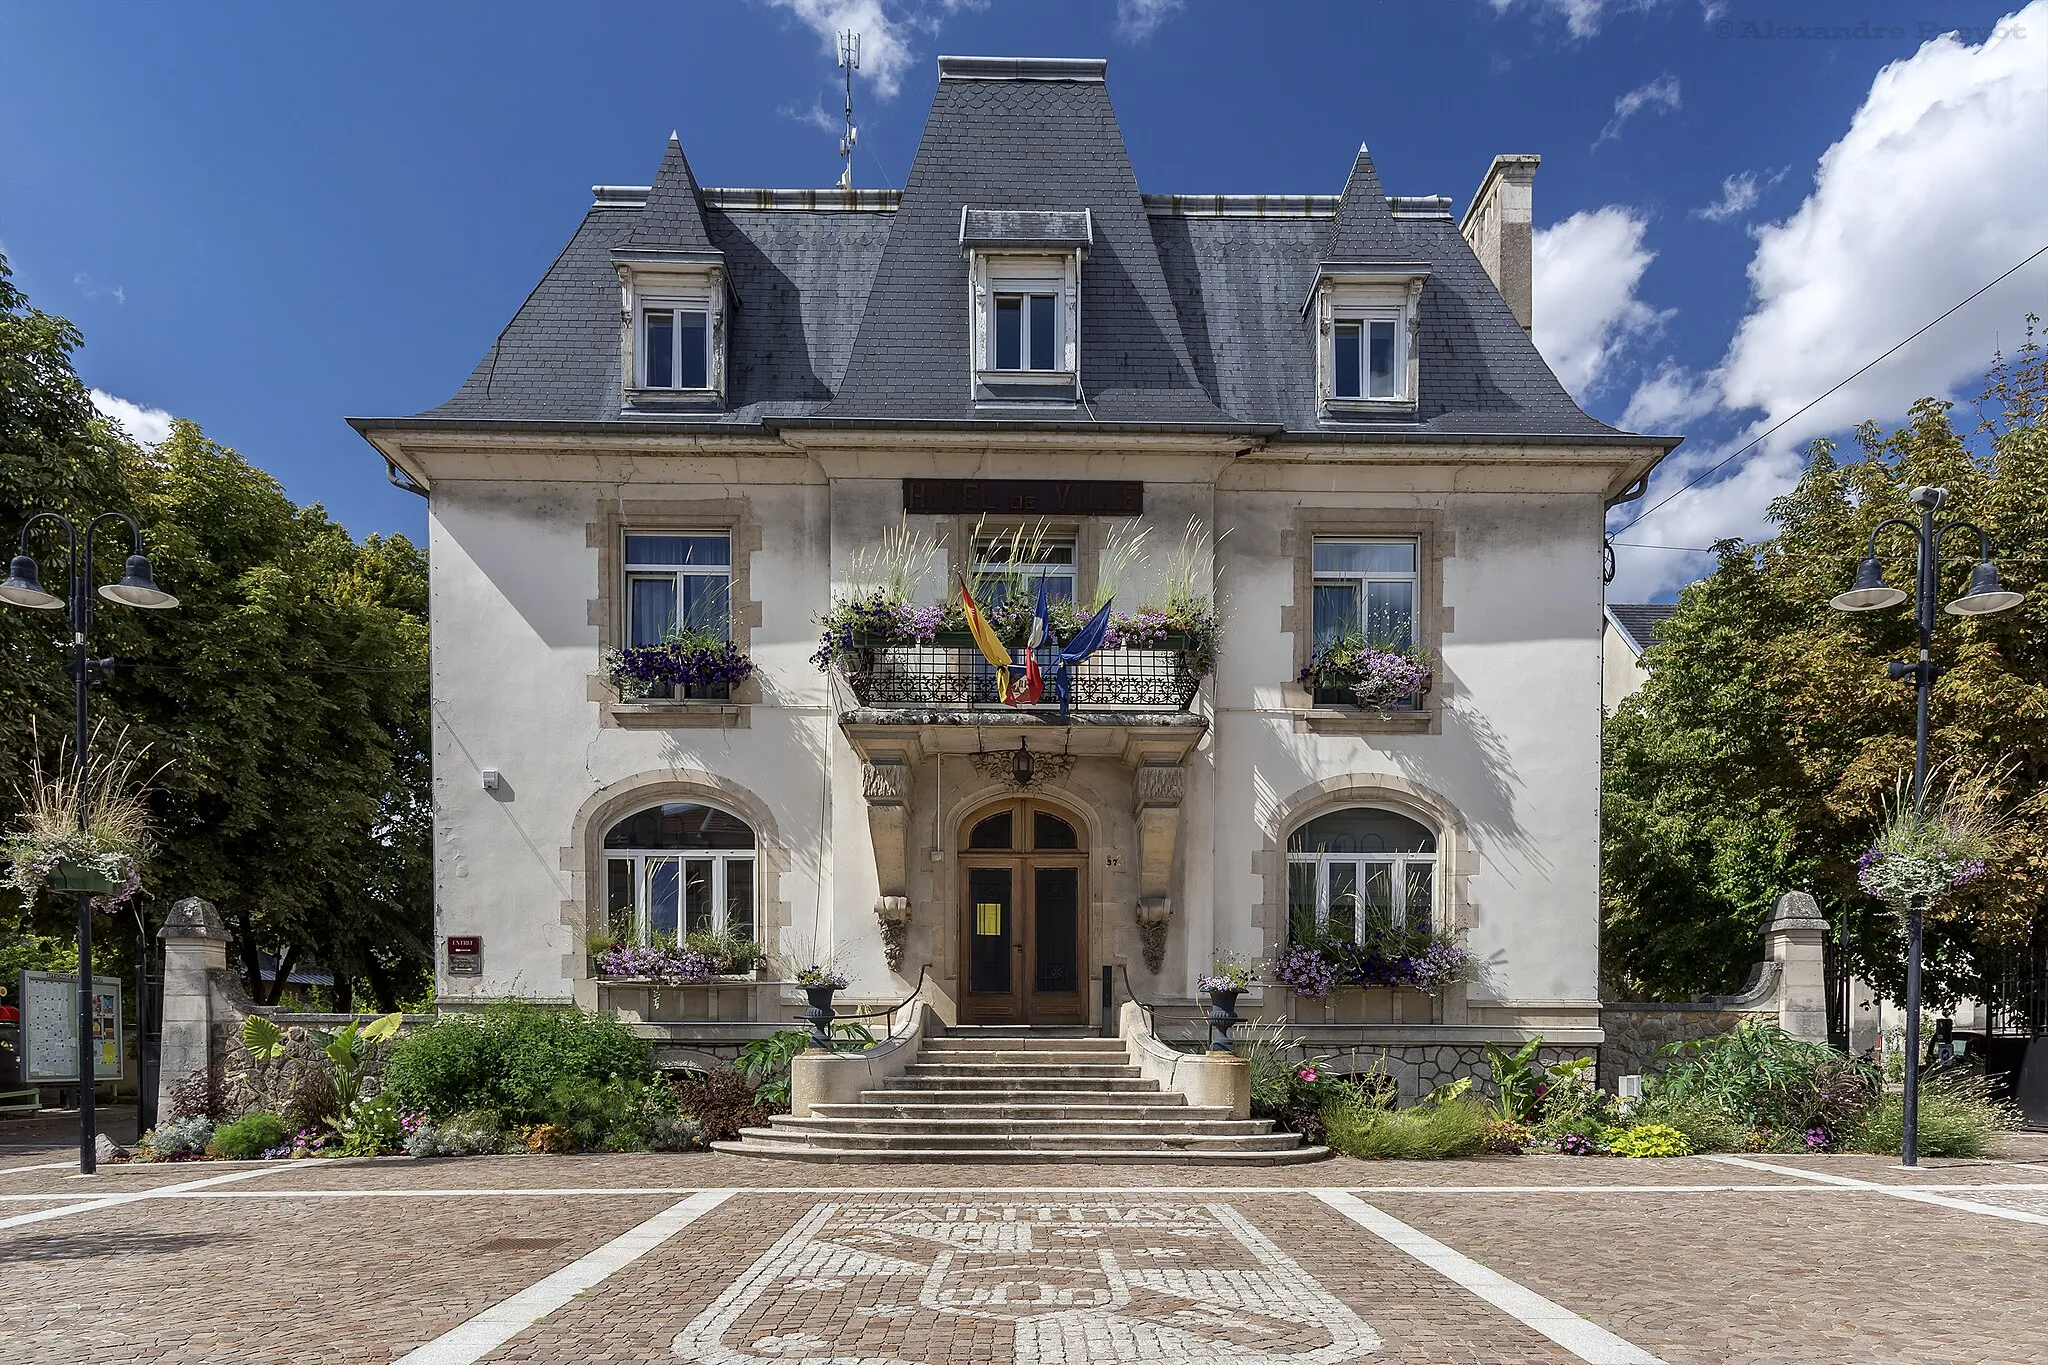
{"points": [[1582, 18], [1738, 195], [884, 52], [1660, 94], [814, 117], [147, 425], [1138, 20], [1586, 273], [1670, 397], [97, 289], [1915, 208]]}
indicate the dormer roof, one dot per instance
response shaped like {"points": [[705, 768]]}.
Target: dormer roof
{"points": [[671, 225]]}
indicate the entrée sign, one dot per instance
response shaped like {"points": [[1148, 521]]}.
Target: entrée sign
{"points": [[1040, 497]]}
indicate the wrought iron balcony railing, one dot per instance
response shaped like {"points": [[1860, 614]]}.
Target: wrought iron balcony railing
{"points": [[937, 676]]}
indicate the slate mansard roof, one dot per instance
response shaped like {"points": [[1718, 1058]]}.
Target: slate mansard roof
{"points": [[851, 307]]}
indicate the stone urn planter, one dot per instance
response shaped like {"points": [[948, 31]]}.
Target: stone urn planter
{"points": [[820, 1014], [1222, 1018]]}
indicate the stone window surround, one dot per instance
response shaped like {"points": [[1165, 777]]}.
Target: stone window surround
{"points": [[688, 285], [1433, 620], [1456, 858], [1089, 534], [1394, 295], [990, 272], [583, 858], [607, 535]]}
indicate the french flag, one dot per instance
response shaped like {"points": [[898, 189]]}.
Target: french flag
{"points": [[1032, 688]]}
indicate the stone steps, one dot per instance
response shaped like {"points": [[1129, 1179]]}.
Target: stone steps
{"points": [[999, 1105], [1103, 1156], [972, 1123], [1046, 1140], [1014, 1095]]}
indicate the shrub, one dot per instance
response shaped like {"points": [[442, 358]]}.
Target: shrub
{"points": [[181, 1138], [723, 1102], [1958, 1117], [201, 1095], [1704, 1126], [1763, 1078], [1431, 1131], [468, 1134], [548, 1137], [373, 1129], [1571, 1106], [1650, 1140], [1505, 1137], [509, 1059], [249, 1136]]}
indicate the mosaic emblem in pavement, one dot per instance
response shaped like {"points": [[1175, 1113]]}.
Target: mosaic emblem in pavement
{"points": [[912, 1282]]}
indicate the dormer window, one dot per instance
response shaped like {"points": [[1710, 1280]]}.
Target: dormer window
{"points": [[1366, 320], [1024, 302], [675, 347], [1365, 361], [672, 332], [1027, 332]]}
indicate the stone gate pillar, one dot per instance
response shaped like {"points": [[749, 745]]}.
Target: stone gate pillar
{"points": [[195, 946], [1792, 938]]}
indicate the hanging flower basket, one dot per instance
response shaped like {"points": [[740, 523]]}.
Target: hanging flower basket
{"points": [[72, 874]]}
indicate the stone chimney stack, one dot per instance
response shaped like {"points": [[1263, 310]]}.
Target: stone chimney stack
{"points": [[1500, 226]]}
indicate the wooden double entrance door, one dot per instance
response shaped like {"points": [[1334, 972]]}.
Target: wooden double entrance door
{"points": [[1024, 917]]}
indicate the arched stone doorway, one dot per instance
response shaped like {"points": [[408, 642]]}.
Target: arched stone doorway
{"points": [[1024, 915]]}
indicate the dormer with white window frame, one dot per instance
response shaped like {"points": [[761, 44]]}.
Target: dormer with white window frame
{"points": [[1024, 302], [674, 299], [673, 329], [1367, 320]]}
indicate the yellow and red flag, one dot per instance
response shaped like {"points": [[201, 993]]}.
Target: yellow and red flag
{"points": [[985, 639]]}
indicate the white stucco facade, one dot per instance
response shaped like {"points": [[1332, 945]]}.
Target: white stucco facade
{"points": [[1503, 761]]}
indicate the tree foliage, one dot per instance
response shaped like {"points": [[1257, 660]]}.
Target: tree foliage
{"points": [[1755, 759], [286, 696]]}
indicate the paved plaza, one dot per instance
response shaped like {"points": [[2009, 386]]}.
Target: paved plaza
{"points": [[729, 1261]]}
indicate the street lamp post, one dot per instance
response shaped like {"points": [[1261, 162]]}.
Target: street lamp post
{"points": [[137, 588], [1871, 593]]}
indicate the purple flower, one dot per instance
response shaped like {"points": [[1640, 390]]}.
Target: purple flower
{"points": [[1304, 971], [1817, 1139], [655, 962]]}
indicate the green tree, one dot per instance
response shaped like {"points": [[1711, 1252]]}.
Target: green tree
{"points": [[1753, 760], [286, 698]]}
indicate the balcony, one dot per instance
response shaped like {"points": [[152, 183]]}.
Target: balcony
{"points": [[939, 677]]}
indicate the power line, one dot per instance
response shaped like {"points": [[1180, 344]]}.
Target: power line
{"points": [[1694, 482]]}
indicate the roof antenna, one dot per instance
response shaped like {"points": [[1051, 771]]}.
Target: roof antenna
{"points": [[849, 61]]}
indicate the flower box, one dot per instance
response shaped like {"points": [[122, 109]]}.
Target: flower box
{"points": [[68, 875]]}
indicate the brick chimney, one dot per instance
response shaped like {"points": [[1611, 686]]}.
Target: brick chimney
{"points": [[1499, 227]]}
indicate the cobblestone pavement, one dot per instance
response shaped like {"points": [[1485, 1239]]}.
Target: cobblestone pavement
{"points": [[731, 1261]]}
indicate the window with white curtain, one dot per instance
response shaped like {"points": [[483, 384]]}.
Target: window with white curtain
{"points": [[1361, 867]]}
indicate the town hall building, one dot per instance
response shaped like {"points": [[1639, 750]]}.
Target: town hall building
{"points": [[1344, 521]]}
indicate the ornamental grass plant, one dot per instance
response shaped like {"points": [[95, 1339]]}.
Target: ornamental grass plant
{"points": [[98, 818], [1959, 1117], [1448, 1123]]}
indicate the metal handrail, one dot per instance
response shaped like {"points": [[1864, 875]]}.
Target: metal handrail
{"points": [[890, 1010], [1151, 1017]]}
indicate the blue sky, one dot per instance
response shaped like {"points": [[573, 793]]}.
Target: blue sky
{"points": [[267, 218]]}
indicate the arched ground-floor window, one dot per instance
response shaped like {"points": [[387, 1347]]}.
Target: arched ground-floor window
{"points": [[1358, 869], [679, 868]]}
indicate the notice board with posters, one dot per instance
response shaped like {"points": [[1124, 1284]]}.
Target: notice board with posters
{"points": [[49, 1028]]}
